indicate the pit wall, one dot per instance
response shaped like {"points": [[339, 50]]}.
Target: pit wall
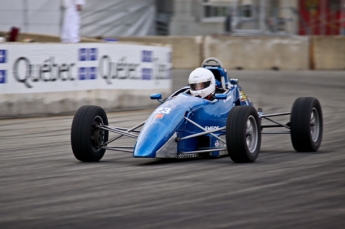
{"points": [[52, 78], [328, 53], [256, 53], [57, 103], [259, 53], [187, 51]]}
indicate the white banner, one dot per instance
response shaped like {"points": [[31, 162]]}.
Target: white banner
{"points": [[32, 68]]}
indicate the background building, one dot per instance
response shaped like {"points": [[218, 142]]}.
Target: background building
{"points": [[180, 17], [321, 17], [204, 17], [261, 17]]}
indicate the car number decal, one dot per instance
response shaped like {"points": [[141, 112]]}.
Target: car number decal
{"points": [[162, 110]]}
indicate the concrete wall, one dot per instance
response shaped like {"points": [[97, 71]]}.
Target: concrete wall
{"points": [[324, 53], [259, 52], [328, 53], [186, 50], [54, 103]]}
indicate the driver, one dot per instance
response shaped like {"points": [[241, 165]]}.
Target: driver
{"points": [[202, 83]]}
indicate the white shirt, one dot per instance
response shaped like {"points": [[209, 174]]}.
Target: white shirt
{"points": [[71, 23], [68, 4]]}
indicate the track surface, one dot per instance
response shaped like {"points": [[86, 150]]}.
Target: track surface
{"points": [[43, 186]]}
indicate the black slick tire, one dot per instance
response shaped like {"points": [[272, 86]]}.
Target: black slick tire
{"points": [[306, 124], [86, 137], [239, 134]]}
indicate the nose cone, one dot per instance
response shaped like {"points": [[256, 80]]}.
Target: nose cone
{"points": [[162, 124], [158, 129], [153, 139]]}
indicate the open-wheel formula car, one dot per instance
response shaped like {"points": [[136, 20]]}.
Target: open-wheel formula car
{"points": [[186, 126]]}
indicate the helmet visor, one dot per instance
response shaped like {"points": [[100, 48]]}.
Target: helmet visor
{"points": [[199, 86]]}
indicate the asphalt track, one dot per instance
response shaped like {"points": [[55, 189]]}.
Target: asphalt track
{"points": [[43, 186]]}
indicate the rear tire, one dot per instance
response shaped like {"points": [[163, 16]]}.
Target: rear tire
{"points": [[86, 137], [243, 134], [306, 124]]}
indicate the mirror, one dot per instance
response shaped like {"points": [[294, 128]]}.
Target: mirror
{"points": [[156, 96], [220, 96]]}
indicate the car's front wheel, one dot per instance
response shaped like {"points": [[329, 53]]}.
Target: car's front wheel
{"points": [[86, 136], [243, 134], [306, 124]]}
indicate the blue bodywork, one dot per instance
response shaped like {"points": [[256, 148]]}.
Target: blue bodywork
{"points": [[168, 119]]}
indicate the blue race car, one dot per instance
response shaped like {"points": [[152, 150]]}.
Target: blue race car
{"points": [[187, 126]]}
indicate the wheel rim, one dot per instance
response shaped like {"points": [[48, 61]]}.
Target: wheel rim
{"points": [[314, 125], [97, 134], [251, 134]]}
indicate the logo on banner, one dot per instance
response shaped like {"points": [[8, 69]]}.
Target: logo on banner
{"points": [[169, 57], [3, 56], [168, 71], [88, 73], [28, 73], [121, 69], [2, 76], [147, 56], [88, 54], [146, 74]]}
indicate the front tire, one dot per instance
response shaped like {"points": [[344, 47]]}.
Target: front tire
{"points": [[306, 124], [243, 134], [86, 137]]}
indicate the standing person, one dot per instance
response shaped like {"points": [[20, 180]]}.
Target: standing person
{"points": [[71, 22]]}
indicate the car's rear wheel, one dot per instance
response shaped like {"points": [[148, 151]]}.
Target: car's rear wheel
{"points": [[306, 124], [86, 136], [243, 134]]}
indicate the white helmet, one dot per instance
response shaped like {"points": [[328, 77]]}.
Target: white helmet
{"points": [[202, 82]]}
